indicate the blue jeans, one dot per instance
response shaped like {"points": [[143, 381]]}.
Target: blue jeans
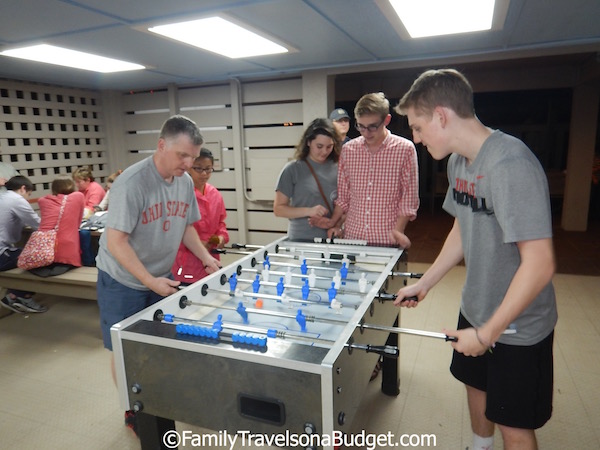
{"points": [[117, 302]]}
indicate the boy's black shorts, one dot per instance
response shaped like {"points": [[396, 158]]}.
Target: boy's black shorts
{"points": [[518, 381]]}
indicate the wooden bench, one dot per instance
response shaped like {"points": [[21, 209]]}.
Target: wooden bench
{"points": [[76, 283]]}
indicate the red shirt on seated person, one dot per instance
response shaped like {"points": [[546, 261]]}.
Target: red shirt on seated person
{"points": [[68, 250]]}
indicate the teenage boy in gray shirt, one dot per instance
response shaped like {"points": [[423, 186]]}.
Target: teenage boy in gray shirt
{"points": [[498, 194]]}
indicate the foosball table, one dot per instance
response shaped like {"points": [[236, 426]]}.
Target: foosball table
{"points": [[283, 340]]}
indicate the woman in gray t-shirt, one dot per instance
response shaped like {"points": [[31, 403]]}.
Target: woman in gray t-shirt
{"points": [[298, 195]]}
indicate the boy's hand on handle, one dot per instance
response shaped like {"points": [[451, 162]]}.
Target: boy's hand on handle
{"points": [[467, 342], [410, 296]]}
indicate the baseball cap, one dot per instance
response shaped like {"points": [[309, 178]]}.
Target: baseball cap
{"points": [[338, 114]]}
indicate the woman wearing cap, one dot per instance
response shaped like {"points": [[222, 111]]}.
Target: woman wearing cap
{"points": [[341, 121]]}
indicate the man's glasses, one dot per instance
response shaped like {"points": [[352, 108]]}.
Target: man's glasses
{"points": [[371, 128], [203, 169]]}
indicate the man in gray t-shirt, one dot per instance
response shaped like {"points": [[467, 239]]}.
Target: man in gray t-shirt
{"points": [[498, 194], [152, 211]]}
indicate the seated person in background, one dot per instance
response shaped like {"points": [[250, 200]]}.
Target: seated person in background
{"points": [[15, 214], [92, 191], [103, 206], [307, 187], [68, 251], [211, 227]]}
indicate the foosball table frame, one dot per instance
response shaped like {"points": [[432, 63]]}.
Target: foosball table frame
{"points": [[285, 385]]}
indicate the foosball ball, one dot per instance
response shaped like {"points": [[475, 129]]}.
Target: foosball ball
{"points": [[284, 340]]}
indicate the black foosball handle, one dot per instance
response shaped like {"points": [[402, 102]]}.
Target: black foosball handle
{"points": [[386, 350], [386, 297]]}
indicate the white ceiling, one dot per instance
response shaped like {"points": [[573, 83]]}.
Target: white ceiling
{"points": [[341, 36]]}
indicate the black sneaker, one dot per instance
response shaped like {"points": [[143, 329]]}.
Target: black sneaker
{"points": [[11, 304], [131, 421], [29, 305]]}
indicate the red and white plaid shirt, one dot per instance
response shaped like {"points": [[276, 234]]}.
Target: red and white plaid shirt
{"points": [[374, 189]]}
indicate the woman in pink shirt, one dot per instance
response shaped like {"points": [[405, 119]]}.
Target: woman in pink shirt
{"points": [[68, 251], [211, 227], [92, 191]]}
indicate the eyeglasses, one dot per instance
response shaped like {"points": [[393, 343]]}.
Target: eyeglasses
{"points": [[370, 128], [203, 169]]}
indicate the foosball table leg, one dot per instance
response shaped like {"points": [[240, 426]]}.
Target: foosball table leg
{"points": [[151, 430], [390, 381]]}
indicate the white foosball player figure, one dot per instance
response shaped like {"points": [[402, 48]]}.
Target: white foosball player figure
{"points": [[362, 283]]}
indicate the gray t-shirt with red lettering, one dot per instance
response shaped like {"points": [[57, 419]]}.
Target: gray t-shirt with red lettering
{"points": [[500, 199], [154, 213]]}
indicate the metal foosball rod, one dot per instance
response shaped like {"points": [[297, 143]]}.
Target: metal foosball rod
{"points": [[328, 269], [295, 286], [223, 251], [393, 274], [212, 330], [308, 318], [322, 258], [365, 257], [259, 335], [432, 334], [281, 298], [279, 273]]}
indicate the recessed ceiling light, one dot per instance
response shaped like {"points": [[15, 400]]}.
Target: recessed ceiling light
{"points": [[71, 58], [220, 36], [423, 18]]}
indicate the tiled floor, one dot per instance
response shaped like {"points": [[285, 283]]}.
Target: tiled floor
{"points": [[56, 391]]}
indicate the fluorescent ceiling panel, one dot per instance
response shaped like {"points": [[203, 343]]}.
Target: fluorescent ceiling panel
{"points": [[424, 18], [220, 36], [71, 58]]}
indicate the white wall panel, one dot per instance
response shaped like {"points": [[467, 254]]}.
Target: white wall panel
{"points": [[272, 90], [205, 118], [228, 158], [229, 198], [266, 220], [204, 96], [145, 101], [262, 238], [223, 180], [139, 122], [224, 136], [273, 114], [273, 137], [140, 141]]}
